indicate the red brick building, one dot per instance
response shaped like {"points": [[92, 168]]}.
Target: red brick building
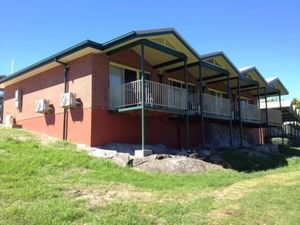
{"points": [[143, 87]]}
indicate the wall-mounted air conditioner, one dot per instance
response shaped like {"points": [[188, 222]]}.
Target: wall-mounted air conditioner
{"points": [[68, 100], [42, 106]]}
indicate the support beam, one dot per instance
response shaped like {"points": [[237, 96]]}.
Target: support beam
{"points": [[282, 137], [240, 113], [201, 106], [163, 48], [204, 64], [143, 152], [267, 116], [186, 113], [164, 64], [229, 98], [151, 44], [124, 47], [258, 104], [214, 77], [245, 87]]}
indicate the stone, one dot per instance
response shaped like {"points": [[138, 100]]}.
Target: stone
{"points": [[272, 148], [204, 154], [216, 159], [226, 165], [122, 159], [183, 153], [142, 153], [194, 155], [162, 156], [102, 153], [178, 164], [263, 149], [254, 154]]}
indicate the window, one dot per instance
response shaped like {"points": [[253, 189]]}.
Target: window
{"points": [[147, 75], [181, 84], [246, 100], [122, 74], [217, 93]]}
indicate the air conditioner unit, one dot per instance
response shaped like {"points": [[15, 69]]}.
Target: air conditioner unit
{"points": [[42, 106], [68, 100]]}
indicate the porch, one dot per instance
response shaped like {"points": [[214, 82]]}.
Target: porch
{"points": [[166, 98]]}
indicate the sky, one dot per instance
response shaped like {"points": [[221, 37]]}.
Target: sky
{"points": [[263, 33]]}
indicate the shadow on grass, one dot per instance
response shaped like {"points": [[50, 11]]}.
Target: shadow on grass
{"points": [[242, 162]]}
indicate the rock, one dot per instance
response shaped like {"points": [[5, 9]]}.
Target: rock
{"points": [[162, 156], [122, 159], [178, 164], [102, 153], [158, 149], [216, 159], [183, 153], [254, 154], [204, 154], [138, 161], [272, 148], [226, 165], [194, 155], [262, 148]]}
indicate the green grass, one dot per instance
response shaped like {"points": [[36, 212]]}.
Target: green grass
{"points": [[55, 183]]}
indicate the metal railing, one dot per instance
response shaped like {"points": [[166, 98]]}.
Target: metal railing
{"points": [[156, 95], [250, 112], [211, 105], [274, 116], [216, 105]]}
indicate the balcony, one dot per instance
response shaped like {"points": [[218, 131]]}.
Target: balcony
{"points": [[157, 96], [274, 117], [212, 105], [165, 97], [250, 112]]}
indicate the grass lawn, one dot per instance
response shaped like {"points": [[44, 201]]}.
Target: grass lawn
{"points": [[54, 183]]}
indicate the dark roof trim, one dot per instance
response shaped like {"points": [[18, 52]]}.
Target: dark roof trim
{"points": [[279, 81], [220, 53], [147, 33], [205, 64], [101, 47], [68, 51]]}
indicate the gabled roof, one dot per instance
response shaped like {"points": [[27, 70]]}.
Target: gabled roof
{"points": [[88, 46], [275, 82], [264, 82], [253, 71], [220, 54]]}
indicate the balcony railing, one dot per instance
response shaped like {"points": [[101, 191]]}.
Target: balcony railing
{"points": [[213, 105], [157, 95], [274, 116], [250, 112], [165, 96]]}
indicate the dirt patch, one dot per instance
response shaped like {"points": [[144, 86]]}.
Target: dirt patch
{"points": [[101, 196]]}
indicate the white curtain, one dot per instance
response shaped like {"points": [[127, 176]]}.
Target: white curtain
{"points": [[115, 84]]}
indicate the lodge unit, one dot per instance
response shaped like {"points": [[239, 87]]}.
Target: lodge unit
{"points": [[143, 87]]}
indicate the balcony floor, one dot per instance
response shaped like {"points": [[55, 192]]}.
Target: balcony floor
{"points": [[149, 108]]}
